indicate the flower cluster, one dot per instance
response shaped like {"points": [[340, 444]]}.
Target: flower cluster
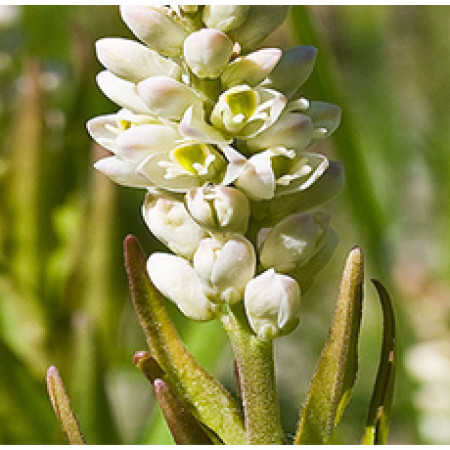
{"points": [[212, 128]]}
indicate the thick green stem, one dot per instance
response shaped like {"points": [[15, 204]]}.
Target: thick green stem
{"points": [[257, 379]]}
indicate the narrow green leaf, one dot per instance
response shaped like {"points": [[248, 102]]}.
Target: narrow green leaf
{"points": [[207, 398], [377, 424], [61, 405], [185, 428], [336, 369]]}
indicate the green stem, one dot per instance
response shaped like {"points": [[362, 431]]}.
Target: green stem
{"points": [[257, 379]]}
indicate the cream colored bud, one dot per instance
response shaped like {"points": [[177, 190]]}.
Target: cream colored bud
{"points": [[219, 208], [272, 304], [227, 267], [134, 61], [175, 278], [156, 27], [207, 52], [325, 117], [224, 17], [251, 69], [169, 221], [167, 97], [294, 241]]}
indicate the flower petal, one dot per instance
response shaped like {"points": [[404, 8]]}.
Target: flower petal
{"points": [[133, 61], [155, 27], [251, 69], [168, 219], [121, 92], [177, 280], [137, 143], [122, 172]]}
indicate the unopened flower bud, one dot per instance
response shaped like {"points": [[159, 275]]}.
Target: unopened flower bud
{"points": [[122, 92], [257, 179], [121, 172], [175, 278], [306, 274], [133, 61], [207, 52], [227, 267], [294, 241], [292, 70], [261, 21], [292, 130], [325, 117], [224, 17], [272, 304], [169, 221], [167, 97], [155, 26], [251, 69], [219, 208]]}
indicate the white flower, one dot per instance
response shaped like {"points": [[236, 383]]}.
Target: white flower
{"points": [[293, 69], [225, 267], [292, 130], [175, 278], [294, 241], [272, 304], [168, 219], [279, 171], [155, 26], [251, 69], [324, 189], [167, 98], [243, 112], [187, 165], [224, 17], [207, 52], [219, 208], [134, 61]]}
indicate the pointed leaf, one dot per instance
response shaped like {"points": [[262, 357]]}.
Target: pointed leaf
{"points": [[61, 405], [377, 424], [185, 428], [336, 369], [207, 398]]}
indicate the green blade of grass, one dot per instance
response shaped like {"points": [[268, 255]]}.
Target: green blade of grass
{"points": [[377, 424], [323, 85]]}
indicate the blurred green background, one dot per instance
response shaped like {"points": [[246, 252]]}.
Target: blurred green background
{"points": [[63, 291]]}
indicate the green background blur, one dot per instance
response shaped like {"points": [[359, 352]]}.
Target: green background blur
{"points": [[63, 291]]}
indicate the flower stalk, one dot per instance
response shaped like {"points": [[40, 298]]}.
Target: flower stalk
{"points": [[255, 365]]}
